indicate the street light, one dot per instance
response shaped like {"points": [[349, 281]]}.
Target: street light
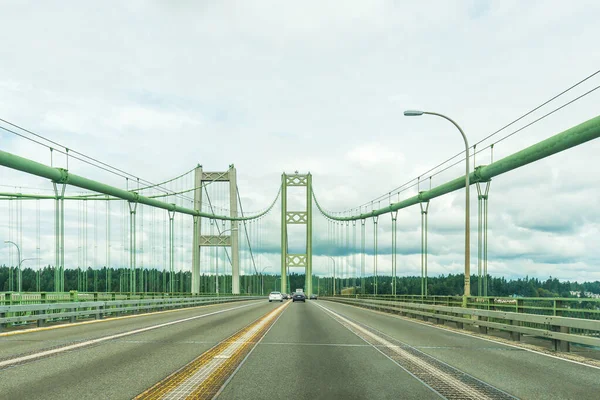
{"points": [[333, 274], [262, 283], [19, 276], [467, 290]]}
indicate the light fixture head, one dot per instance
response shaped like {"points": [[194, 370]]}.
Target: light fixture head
{"points": [[413, 113]]}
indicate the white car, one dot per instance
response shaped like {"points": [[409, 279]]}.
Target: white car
{"points": [[275, 296]]}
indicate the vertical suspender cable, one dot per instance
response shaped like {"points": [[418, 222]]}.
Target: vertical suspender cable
{"points": [[394, 250], [108, 240], [37, 245], [10, 249], [424, 211], [348, 254], [362, 255], [354, 265], [375, 219]]}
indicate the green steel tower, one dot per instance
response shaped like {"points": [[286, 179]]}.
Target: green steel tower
{"points": [[220, 240], [302, 260]]}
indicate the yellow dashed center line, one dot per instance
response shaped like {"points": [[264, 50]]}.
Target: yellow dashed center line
{"points": [[203, 377]]}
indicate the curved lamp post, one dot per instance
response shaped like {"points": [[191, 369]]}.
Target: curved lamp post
{"points": [[415, 113], [21, 261], [262, 283]]}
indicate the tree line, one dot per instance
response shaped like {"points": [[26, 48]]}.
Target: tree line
{"points": [[450, 285], [155, 280]]}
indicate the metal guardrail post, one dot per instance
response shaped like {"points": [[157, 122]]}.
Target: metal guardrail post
{"points": [[41, 322], [5, 299], [100, 313], [562, 345], [516, 336], [483, 329]]}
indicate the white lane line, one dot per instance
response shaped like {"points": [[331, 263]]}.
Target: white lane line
{"points": [[397, 349], [314, 344], [432, 370], [46, 353], [385, 355], [473, 336]]}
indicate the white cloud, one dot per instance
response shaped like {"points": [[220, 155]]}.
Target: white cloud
{"points": [[155, 88]]}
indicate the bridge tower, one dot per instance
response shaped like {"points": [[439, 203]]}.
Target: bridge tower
{"points": [[302, 260], [230, 240]]}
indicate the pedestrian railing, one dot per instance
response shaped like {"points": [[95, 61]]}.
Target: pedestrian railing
{"points": [[15, 298], [42, 314], [562, 330]]}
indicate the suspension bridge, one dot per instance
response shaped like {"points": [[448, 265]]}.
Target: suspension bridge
{"points": [[157, 290]]}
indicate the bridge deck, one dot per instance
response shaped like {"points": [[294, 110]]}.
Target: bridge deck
{"points": [[313, 350]]}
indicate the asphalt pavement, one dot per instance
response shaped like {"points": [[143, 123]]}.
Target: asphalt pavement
{"points": [[314, 350], [119, 368]]}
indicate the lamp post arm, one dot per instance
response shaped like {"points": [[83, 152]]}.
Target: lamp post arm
{"points": [[467, 288], [18, 251], [455, 124]]}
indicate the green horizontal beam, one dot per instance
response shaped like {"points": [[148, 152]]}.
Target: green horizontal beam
{"points": [[62, 176], [572, 137]]}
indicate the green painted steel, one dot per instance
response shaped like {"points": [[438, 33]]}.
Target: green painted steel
{"points": [[284, 277], [299, 218], [62, 176], [572, 137]]}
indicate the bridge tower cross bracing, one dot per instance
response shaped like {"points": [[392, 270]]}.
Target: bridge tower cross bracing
{"points": [[302, 260], [230, 240]]}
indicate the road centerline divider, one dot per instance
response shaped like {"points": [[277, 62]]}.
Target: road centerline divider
{"points": [[204, 377]]}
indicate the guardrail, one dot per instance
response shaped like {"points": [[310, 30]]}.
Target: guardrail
{"points": [[14, 298], [586, 308], [44, 313], [561, 330]]}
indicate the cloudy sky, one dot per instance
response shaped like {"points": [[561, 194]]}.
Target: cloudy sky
{"points": [[156, 87]]}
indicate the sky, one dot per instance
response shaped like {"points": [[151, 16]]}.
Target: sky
{"points": [[155, 88]]}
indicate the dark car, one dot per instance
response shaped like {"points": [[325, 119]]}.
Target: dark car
{"points": [[299, 296], [313, 296], [285, 296]]}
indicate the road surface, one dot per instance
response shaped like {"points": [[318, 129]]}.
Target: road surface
{"points": [[261, 350]]}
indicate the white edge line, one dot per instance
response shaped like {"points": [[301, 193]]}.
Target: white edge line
{"points": [[331, 313], [109, 319], [12, 361], [383, 334], [472, 336], [245, 358]]}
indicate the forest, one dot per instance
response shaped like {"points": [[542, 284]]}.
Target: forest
{"points": [[154, 280]]}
